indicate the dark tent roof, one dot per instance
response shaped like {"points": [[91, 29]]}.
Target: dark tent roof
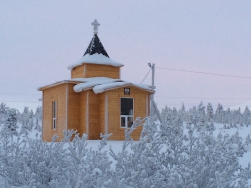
{"points": [[96, 46]]}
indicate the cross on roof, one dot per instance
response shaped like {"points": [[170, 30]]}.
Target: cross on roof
{"points": [[95, 27]]}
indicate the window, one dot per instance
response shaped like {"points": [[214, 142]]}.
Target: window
{"points": [[126, 91], [126, 112], [54, 115]]}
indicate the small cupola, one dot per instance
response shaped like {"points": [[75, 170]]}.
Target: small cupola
{"points": [[95, 45], [95, 61]]}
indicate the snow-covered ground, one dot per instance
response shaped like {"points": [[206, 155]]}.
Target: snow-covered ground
{"points": [[243, 132], [117, 145]]}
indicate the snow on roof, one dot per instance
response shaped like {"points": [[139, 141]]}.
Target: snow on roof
{"points": [[101, 84], [96, 58], [93, 82], [98, 84], [103, 87], [61, 82]]}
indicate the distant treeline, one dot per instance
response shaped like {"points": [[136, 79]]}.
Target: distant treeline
{"points": [[228, 117]]}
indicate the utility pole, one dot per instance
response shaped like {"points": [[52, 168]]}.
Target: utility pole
{"points": [[152, 66], [153, 104], [153, 75]]}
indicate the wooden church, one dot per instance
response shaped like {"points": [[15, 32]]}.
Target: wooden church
{"points": [[95, 100]]}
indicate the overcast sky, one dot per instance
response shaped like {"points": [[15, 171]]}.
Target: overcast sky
{"points": [[39, 39]]}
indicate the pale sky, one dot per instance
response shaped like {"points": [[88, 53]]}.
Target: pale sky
{"points": [[39, 39]]}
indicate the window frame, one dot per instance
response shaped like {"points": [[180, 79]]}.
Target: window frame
{"points": [[126, 116], [54, 115]]}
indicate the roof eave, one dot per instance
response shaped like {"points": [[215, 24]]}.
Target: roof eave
{"points": [[57, 83], [72, 67], [108, 89]]}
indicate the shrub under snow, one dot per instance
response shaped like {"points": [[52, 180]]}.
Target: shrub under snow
{"points": [[164, 156]]}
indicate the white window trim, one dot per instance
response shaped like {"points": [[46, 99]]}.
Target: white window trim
{"points": [[126, 116], [54, 115], [106, 113]]}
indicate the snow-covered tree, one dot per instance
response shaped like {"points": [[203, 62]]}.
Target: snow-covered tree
{"points": [[31, 120], [182, 113], [246, 116], [167, 114], [172, 159], [3, 112], [236, 116], [27, 120], [219, 114], [201, 114], [38, 113], [10, 124], [227, 116], [210, 113], [172, 154]]}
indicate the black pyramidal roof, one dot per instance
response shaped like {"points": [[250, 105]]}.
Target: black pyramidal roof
{"points": [[96, 46]]}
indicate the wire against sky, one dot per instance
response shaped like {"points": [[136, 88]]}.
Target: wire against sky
{"points": [[22, 101], [203, 97], [145, 76], [18, 94], [200, 72]]}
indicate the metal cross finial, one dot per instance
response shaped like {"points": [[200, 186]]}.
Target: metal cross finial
{"points": [[95, 26]]}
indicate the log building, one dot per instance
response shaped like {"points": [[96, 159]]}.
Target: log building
{"points": [[95, 100]]}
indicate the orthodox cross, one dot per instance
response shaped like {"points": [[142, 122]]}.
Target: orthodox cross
{"points": [[95, 27]]}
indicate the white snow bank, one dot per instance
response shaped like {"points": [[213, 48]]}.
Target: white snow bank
{"points": [[95, 59]]}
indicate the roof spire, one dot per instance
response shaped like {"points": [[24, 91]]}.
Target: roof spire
{"points": [[95, 27], [95, 45]]}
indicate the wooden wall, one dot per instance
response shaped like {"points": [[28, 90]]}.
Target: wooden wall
{"points": [[102, 71], [91, 108], [73, 108], [86, 111], [102, 108], [58, 94], [95, 70], [94, 126], [82, 112], [78, 72], [140, 110]]}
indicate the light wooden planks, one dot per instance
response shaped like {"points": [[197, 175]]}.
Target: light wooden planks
{"points": [[94, 116], [95, 70], [140, 106], [73, 108], [57, 93], [78, 72], [78, 117], [102, 71]]}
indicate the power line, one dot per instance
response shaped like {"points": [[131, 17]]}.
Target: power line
{"points": [[202, 98], [145, 76], [23, 101], [207, 73], [17, 94], [192, 104]]}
